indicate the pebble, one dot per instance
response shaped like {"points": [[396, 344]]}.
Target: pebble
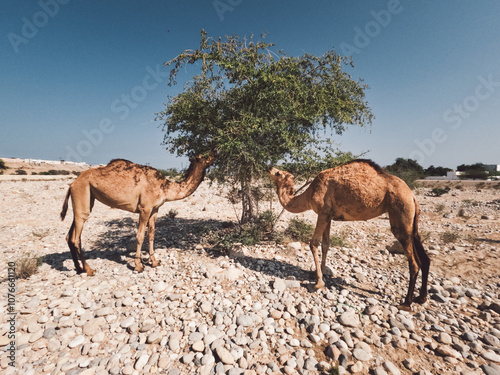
{"points": [[79, 340], [205, 312], [349, 319], [224, 355]]}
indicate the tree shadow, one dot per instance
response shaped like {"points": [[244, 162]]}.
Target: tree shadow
{"points": [[118, 243]]}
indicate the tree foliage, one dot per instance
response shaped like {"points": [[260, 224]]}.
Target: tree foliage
{"points": [[437, 171], [408, 170], [255, 106], [473, 171]]}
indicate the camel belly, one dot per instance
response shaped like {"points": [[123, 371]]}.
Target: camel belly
{"points": [[126, 202], [359, 215]]}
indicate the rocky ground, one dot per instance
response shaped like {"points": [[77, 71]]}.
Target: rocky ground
{"points": [[252, 310]]}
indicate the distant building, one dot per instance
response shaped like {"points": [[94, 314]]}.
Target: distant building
{"points": [[453, 175]]}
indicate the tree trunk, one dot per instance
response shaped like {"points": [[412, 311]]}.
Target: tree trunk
{"points": [[248, 211]]}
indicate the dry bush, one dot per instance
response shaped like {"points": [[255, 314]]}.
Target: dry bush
{"points": [[440, 208], [449, 237], [27, 265]]}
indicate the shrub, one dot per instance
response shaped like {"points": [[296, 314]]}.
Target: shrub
{"points": [[248, 234], [437, 192], [339, 240], [21, 172], [266, 221], [449, 237], [299, 230], [2, 165], [54, 172], [27, 265]]}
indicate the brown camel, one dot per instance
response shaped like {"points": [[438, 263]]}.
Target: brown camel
{"points": [[359, 190], [130, 187]]}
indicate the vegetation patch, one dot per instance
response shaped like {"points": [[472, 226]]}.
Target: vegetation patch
{"points": [[437, 192], [248, 234], [28, 265], [299, 230], [449, 237]]}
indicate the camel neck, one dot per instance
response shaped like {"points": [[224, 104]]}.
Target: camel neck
{"points": [[294, 203], [179, 190]]}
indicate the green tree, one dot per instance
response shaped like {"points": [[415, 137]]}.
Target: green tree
{"points": [[475, 171], [437, 171], [254, 106], [407, 169]]}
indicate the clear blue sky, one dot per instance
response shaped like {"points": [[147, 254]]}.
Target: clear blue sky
{"points": [[82, 80]]}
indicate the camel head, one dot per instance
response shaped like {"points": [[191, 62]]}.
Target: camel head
{"points": [[282, 179], [205, 162]]}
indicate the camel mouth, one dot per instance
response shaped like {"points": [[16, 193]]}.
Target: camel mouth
{"points": [[272, 170]]}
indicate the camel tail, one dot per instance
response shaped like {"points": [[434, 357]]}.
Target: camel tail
{"points": [[418, 249], [65, 204]]}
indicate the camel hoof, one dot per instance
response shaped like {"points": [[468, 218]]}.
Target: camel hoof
{"points": [[420, 300], [405, 308], [155, 263], [139, 268], [319, 285], [90, 272]]}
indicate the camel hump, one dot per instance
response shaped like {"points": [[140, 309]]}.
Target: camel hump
{"points": [[368, 162], [116, 161]]}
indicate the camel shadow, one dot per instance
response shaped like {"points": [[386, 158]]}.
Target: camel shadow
{"points": [[110, 245], [118, 242], [285, 270]]}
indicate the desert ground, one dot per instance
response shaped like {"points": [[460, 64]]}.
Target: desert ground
{"points": [[253, 309]]}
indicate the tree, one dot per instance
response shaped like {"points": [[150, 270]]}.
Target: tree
{"points": [[254, 106], [475, 171], [437, 171], [407, 169]]}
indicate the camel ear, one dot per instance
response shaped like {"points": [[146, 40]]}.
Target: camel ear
{"points": [[277, 174]]}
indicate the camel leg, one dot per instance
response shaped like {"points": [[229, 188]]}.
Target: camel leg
{"points": [[143, 219], [151, 237], [321, 225], [72, 248], [424, 263], [75, 242], [325, 246], [403, 233], [82, 207]]}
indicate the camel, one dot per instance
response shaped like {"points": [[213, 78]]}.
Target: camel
{"points": [[129, 187], [359, 190]]}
